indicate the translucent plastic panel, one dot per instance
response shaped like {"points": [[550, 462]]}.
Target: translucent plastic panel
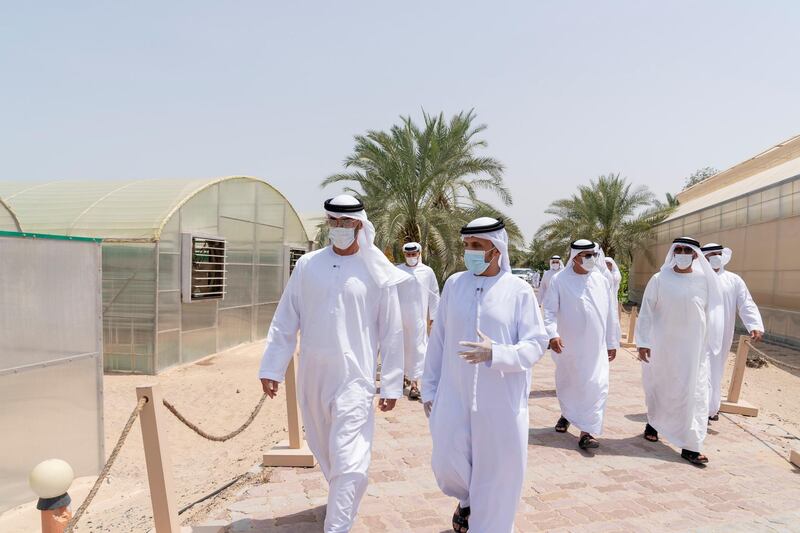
{"points": [[270, 284], [239, 290], [235, 326], [168, 349], [295, 232], [264, 314], [770, 210], [129, 303], [237, 199], [169, 310], [271, 206], [240, 237], [709, 224], [199, 215], [728, 220], [269, 245], [54, 411], [170, 239], [128, 344], [197, 344], [49, 292], [198, 315], [169, 271]]}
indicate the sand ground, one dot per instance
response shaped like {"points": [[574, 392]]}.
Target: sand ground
{"points": [[218, 394]]}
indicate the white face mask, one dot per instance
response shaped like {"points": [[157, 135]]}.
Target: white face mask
{"points": [[555, 266], [412, 261], [684, 261], [342, 238], [716, 261], [588, 263]]}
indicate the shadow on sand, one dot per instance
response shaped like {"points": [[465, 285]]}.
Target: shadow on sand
{"points": [[307, 521], [545, 393]]}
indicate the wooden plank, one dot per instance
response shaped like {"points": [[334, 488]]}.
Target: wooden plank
{"points": [[794, 458], [294, 452], [737, 378], [741, 407], [159, 466]]}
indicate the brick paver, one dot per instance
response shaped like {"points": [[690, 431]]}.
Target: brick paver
{"points": [[628, 484]]}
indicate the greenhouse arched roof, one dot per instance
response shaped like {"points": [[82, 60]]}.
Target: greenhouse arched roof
{"points": [[135, 210], [8, 220]]}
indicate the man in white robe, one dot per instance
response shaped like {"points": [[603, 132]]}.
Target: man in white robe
{"points": [[419, 300], [487, 335], [343, 301], [680, 323], [555, 267], [615, 276], [737, 298], [581, 320]]}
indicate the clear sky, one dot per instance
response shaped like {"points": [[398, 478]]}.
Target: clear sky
{"points": [[570, 90]]}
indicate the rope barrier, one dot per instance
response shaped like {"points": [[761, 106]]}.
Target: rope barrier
{"points": [[222, 438], [772, 359], [109, 463], [124, 435]]}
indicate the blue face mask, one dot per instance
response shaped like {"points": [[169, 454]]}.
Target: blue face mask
{"points": [[475, 261]]}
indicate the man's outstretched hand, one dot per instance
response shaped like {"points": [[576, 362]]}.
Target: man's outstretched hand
{"points": [[270, 387], [387, 404]]}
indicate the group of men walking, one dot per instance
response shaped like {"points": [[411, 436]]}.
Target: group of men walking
{"points": [[473, 372]]}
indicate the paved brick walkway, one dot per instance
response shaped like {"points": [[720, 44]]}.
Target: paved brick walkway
{"points": [[627, 485]]}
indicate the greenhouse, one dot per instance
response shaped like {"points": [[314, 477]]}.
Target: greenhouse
{"points": [[190, 267]]}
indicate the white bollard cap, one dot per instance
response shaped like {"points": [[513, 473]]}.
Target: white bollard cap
{"points": [[51, 478]]}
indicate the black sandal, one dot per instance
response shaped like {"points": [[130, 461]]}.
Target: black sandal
{"points": [[587, 441], [460, 519], [413, 394], [650, 433], [696, 458], [713, 418], [562, 425]]}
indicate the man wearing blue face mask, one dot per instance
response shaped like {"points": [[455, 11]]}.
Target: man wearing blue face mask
{"points": [[485, 339], [580, 314], [680, 324], [343, 301]]}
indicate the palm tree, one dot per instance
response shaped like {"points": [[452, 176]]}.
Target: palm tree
{"points": [[669, 201], [609, 211], [421, 183]]}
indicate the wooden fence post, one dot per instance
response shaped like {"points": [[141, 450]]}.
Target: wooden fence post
{"points": [[159, 466], [733, 403], [293, 452], [629, 336]]}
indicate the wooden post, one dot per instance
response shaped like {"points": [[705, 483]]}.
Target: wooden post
{"points": [[159, 466], [292, 407], [794, 458], [293, 452], [733, 404], [629, 340]]}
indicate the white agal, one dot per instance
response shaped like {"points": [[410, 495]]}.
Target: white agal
{"points": [[736, 297], [343, 317], [51, 478], [479, 421], [579, 309], [672, 323], [419, 301]]}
